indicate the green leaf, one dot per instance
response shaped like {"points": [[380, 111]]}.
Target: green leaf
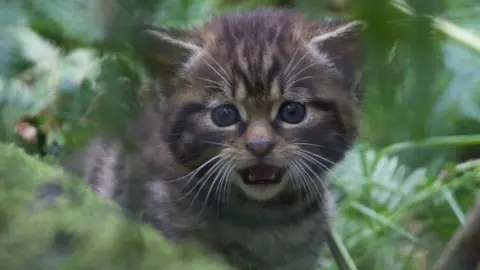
{"points": [[75, 229], [77, 18]]}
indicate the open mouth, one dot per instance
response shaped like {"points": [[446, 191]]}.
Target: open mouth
{"points": [[262, 174]]}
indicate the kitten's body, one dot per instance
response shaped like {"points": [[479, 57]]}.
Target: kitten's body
{"points": [[245, 60], [251, 235]]}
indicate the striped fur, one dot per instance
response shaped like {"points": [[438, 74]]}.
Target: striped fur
{"points": [[255, 61]]}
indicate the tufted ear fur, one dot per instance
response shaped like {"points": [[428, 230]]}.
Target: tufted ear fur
{"points": [[341, 42], [163, 50]]}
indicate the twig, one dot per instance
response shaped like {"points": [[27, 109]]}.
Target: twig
{"points": [[463, 250], [339, 252], [446, 141]]}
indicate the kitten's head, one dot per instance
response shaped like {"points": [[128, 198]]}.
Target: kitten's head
{"points": [[265, 99]]}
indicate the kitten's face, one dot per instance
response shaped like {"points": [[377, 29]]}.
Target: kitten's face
{"points": [[258, 103]]}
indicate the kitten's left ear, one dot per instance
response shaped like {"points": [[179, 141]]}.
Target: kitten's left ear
{"points": [[341, 42], [163, 50]]}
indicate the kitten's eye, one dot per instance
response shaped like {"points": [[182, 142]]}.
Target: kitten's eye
{"points": [[292, 112], [225, 115]]}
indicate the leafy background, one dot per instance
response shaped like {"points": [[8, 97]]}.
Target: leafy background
{"points": [[403, 190]]}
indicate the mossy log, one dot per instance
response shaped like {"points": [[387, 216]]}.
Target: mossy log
{"points": [[52, 220]]}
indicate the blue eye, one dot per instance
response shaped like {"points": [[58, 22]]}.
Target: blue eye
{"points": [[292, 112], [225, 115]]}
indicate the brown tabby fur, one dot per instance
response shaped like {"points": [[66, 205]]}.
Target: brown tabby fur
{"points": [[255, 60]]}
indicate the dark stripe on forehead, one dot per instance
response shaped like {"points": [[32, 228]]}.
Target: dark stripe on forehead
{"points": [[259, 66], [243, 77], [273, 71], [256, 79]]}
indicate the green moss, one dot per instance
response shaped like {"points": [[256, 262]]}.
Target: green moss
{"points": [[77, 229]]}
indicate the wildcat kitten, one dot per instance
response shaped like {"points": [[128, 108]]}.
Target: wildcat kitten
{"points": [[254, 108]]}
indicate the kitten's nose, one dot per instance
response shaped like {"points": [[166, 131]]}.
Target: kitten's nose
{"points": [[259, 146]]}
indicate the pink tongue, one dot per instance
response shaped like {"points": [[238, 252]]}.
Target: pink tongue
{"points": [[262, 172]]}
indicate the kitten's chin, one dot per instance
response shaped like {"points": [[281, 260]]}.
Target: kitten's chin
{"points": [[260, 192]]}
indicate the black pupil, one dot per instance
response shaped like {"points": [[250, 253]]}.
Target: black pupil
{"points": [[292, 112], [225, 115]]}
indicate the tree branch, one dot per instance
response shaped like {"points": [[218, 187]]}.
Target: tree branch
{"points": [[463, 250]]}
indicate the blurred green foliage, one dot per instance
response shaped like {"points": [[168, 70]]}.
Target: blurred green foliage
{"points": [[50, 220], [64, 78]]}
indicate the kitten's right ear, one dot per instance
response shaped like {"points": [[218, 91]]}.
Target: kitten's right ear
{"points": [[342, 43], [163, 50]]}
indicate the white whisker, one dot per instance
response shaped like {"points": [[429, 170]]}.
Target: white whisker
{"points": [[214, 87], [307, 155], [292, 78], [293, 174], [287, 69], [290, 84], [224, 79], [220, 66], [317, 145], [228, 185], [222, 189], [211, 81], [204, 181], [194, 172], [287, 76], [309, 181], [219, 175], [216, 143], [317, 156], [314, 180]]}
